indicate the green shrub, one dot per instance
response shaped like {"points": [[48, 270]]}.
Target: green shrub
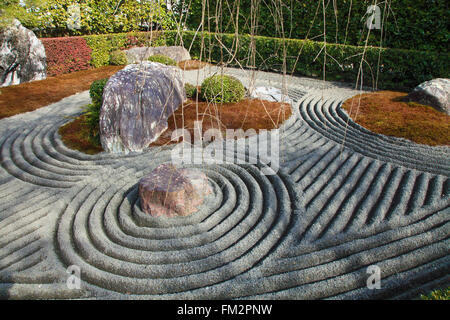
{"points": [[92, 111], [162, 59], [118, 58], [398, 69], [100, 50], [191, 90], [222, 89], [96, 91], [92, 121]]}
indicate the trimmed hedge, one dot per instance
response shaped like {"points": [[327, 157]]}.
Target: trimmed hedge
{"points": [[69, 54], [65, 55], [103, 45], [101, 48], [408, 24], [398, 69]]}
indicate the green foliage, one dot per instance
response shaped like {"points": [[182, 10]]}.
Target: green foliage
{"points": [[92, 111], [118, 58], [21, 10], [103, 45], [443, 294], [162, 59], [398, 69], [191, 90], [49, 18], [92, 122], [96, 91], [409, 24], [222, 89], [101, 48]]}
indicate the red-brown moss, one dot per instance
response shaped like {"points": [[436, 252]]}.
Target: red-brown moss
{"points": [[37, 94], [75, 136], [247, 114], [386, 113], [192, 64]]}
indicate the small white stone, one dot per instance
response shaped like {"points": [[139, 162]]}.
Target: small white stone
{"points": [[269, 94]]}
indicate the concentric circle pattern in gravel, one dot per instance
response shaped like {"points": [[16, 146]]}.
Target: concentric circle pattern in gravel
{"points": [[344, 199]]}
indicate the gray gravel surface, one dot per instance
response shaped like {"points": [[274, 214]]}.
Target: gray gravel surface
{"points": [[343, 200]]}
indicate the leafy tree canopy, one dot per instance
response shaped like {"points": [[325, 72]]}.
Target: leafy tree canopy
{"points": [[50, 17]]}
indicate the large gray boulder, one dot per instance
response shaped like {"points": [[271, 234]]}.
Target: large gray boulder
{"points": [[22, 56], [139, 54], [137, 101], [434, 93]]}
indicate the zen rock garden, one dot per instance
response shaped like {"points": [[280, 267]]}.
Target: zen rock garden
{"points": [[341, 199]]}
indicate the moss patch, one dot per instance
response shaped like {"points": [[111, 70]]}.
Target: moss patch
{"points": [[192, 64], [162, 59], [386, 113], [247, 114], [75, 135], [30, 96]]}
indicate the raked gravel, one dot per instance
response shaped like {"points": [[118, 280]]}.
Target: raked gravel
{"points": [[344, 199]]}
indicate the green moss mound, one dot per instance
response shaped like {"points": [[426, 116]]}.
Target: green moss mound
{"points": [[118, 58], [222, 89], [162, 59]]}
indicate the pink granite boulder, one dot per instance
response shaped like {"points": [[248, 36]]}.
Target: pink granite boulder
{"points": [[170, 192]]}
